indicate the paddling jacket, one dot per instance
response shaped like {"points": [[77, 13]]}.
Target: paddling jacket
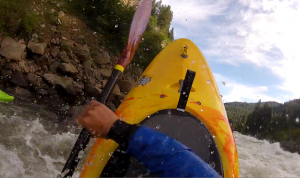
{"points": [[159, 153]]}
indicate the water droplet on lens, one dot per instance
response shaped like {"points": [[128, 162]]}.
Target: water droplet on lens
{"points": [[80, 154], [297, 120], [157, 127], [116, 26], [201, 110]]}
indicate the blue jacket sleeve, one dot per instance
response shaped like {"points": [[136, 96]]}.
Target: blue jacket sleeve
{"points": [[165, 156]]}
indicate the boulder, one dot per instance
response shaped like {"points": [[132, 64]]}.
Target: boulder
{"points": [[75, 111], [111, 106], [63, 56], [6, 72], [66, 83], [22, 92], [68, 68], [54, 66], [24, 67], [55, 41], [116, 91], [54, 51], [19, 79], [122, 97], [44, 60], [34, 80], [105, 73], [102, 58], [82, 52], [87, 65], [93, 91], [125, 85], [91, 80], [38, 48], [12, 50], [103, 82], [61, 14]]}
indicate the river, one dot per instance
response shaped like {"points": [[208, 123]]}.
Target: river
{"points": [[32, 146]]}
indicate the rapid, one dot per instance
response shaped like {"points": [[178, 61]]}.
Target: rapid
{"points": [[32, 144]]}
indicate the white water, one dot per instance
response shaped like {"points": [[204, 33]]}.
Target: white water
{"points": [[29, 149]]}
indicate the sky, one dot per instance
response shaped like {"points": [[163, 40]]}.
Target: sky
{"points": [[251, 45]]}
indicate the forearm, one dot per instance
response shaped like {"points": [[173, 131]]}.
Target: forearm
{"points": [[159, 153]]}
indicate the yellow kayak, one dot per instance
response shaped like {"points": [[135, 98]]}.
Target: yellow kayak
{"points": [[158, 100]]}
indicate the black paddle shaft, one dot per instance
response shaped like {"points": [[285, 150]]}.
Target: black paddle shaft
{"points": [[85, 136]]}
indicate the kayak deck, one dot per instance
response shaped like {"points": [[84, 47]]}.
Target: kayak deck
{"points": [[158, 89]]}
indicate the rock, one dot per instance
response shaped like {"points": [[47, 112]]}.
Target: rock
{"points": [[19, 79], [6, 72], [12, 50], [122, 97], [63, 38], [116, 91], [52, 10], [22, 92], [61, 14], [44, 60], [63, 56], [91, 81], [54, 66], [82, 52], [34, 37], [129, 77], [24, 67], [103, 82], [125, 85], [114, 59], [290, 146], [75, 111], [45, 68], [97, 74], [87, 64], [68, 68], [43, 25], [105, 73], [66, 83], [102, 58], [98, 85], [93, 91], [111, 106], [42, 91], [55, 41], [54, 51], [34, 80], [38, 48]]}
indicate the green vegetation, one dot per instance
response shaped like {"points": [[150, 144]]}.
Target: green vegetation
{"points": [[112, 20], [16, 18], [268, 120], [64, 47]]}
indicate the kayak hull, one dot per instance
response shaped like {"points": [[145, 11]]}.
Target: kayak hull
{"points": [[158, 89]]}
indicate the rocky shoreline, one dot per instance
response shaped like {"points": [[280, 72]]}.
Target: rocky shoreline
{"points": [[64, 79]]}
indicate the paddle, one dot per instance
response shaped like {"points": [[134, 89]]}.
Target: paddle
{"points": [[138, 26]]}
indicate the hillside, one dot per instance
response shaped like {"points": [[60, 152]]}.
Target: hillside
{"points": [[268, 120], [61, 53]]}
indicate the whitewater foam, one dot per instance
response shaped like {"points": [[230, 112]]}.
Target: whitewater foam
{"points": [[31, 147]]}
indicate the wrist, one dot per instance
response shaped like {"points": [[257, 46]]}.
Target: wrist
{"points": [[121, 132]]}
